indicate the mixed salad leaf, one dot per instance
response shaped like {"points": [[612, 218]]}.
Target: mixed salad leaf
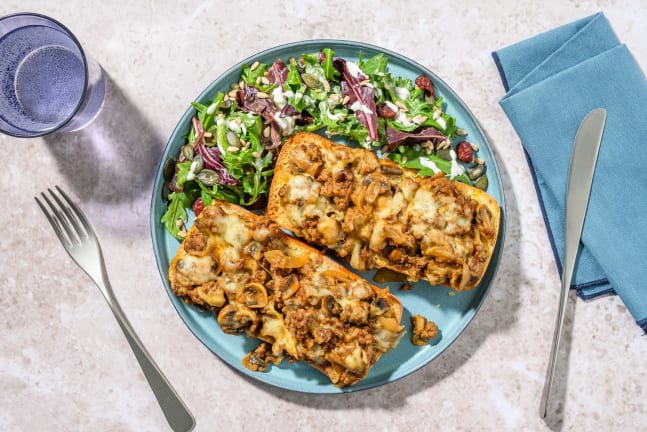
{"points": [[235, 138]]}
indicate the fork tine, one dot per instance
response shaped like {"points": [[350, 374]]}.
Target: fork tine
{"points": [[79, 232], [60, 218], [79, 213], [54, 223]]}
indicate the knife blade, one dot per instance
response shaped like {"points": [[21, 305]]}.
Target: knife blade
{"points": [[584, 158]]}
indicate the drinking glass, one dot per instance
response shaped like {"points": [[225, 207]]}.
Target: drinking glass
{"points": [[47, 82]]}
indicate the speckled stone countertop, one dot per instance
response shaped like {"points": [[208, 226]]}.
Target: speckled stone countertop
{"points": [[64, 364]]}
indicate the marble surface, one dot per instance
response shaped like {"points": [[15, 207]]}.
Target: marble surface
{"points": [[64, 364]]}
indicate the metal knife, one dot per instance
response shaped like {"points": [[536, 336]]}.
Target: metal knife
{"points": [[584, 157]]}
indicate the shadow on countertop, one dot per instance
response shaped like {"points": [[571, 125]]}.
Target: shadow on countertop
{"points": [[556, 405], [111, 163]]}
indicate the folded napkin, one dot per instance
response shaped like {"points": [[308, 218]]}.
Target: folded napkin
{"points": [[552, 81]]}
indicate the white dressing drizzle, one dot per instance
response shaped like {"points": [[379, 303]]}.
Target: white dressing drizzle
{"points": [[456, 168], [428, 163]]}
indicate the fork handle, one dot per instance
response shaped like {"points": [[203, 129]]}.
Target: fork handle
{"points": [[176, 413]]}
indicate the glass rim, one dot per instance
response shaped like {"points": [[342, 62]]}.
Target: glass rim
{"points": [[86, 78]]}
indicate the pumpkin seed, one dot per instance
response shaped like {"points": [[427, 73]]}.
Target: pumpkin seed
{"points": [[198, 164], [187, 152], [232, 139], [444, 153], [208, 177], [475, 172], [481, 182], [311, 80], [226, 103]]}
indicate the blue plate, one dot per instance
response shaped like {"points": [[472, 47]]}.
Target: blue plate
{"points": [[452, 313]]}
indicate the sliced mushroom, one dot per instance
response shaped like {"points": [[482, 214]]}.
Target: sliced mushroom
{"points": [[289, 286], [278, 259], [236, 319], [379, 306], [304, 165], [254, 250], [376, 184], [253, 295], [257, 360], [330, 306], [330, 230]]}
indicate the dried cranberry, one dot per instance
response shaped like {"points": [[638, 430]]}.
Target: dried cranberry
{"points": [[198, 206], [425, 83], [383, 110], [465, 152]]}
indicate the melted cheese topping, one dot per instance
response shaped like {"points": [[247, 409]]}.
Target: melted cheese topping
{"points": [[302, 305], [379, 215]]}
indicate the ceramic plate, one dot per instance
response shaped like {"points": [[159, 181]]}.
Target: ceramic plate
{"points": [[451, 311]]}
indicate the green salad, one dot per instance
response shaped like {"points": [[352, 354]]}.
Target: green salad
{"points": [[230, 151]]}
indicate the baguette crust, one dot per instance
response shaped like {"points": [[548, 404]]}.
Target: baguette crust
{"points": [[304, 306], [376, 214]]}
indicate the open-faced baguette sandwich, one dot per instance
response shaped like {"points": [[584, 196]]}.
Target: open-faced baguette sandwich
{"points": [[301, 304], [377, 214]]}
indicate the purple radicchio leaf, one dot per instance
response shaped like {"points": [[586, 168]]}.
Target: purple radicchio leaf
{"points": [[278, 73], [395, 137], [248, 100], [351, 86], [213, 161], [275, 136], [211, 156], [288, 110]]}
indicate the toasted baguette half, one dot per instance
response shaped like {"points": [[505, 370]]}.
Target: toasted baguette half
{"points": [[376, 214], [264, 283]]}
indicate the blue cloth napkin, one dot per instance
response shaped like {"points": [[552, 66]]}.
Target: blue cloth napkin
{"points": [[552, 81]]}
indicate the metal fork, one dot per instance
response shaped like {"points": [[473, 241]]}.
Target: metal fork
{"points": [[81, 243]]}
